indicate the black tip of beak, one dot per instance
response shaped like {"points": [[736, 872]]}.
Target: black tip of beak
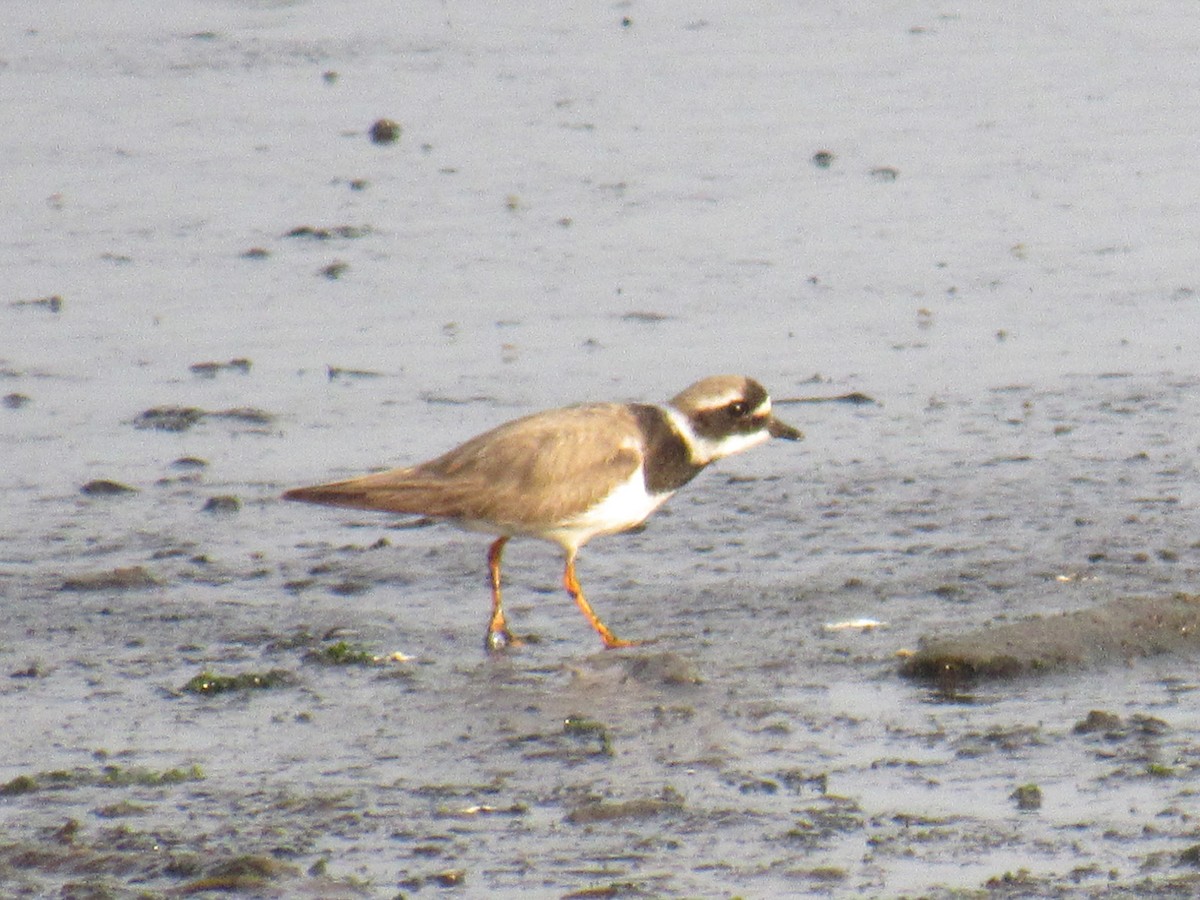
{"points": [[778, 429]]}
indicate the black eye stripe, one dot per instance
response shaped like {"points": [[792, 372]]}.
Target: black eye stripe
{"points": [[725, 420]]}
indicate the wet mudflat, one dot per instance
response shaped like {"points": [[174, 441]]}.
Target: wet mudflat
{"points": [[220, 284]]}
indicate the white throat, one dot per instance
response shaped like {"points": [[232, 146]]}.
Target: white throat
{"points": [[705, 450]]}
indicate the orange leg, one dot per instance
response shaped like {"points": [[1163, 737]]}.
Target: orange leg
{"points": [[571, 583], [498, 636]]}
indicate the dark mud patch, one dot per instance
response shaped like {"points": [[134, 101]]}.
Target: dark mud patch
{"points": [[335, 372], [1117, 632], [103, 487], [853, 398], [664, 668], [182, 418], [129, 578], [593, 811], [212, 369], [347, 232]]}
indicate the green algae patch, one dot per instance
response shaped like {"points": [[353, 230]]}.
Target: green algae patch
{"points": [[22, 784], [105, 776], [584, 729], [210, 683], [342, 653], [1114, 632]]}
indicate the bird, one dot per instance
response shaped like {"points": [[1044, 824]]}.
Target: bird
{"points": [[569, 474]]}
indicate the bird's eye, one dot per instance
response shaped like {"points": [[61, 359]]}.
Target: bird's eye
{"points": [[738, 408]]}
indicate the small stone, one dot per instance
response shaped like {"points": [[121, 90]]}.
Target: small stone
{"points": [[823, 159], [15, 401], [385, 131], [222, 504]]}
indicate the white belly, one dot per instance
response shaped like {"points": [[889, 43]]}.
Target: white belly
{"points": [[625, 507]]}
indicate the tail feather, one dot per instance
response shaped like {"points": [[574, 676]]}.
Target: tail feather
{"points": [[390, 494]]}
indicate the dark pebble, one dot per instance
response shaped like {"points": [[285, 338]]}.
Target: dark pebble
{"points": [[385, 131], [15, 401], [102, 487], [222, 504]]}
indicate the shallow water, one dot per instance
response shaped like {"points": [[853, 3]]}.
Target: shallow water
{"points": [[584, 209]]}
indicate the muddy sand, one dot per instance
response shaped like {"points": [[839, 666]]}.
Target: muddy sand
{"points": [[223, 277]]}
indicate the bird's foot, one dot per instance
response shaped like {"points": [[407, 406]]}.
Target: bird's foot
{"points": [[501, 639], [612, 642]]}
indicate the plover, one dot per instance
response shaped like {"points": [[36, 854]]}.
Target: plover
{"points": [[567, 475]]}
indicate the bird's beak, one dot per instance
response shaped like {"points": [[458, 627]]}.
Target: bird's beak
{"points": [[778, 429]]}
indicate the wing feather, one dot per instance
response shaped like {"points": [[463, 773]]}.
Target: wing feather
{"points": [[538, 470]]}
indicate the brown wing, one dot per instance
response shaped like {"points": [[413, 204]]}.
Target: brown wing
{"points": [[523, 475]]}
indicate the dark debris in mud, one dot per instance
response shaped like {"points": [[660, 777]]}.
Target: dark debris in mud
{"points": [[103, 487], [212, 369], [182, 418], [222, 503], [321, 233]]}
